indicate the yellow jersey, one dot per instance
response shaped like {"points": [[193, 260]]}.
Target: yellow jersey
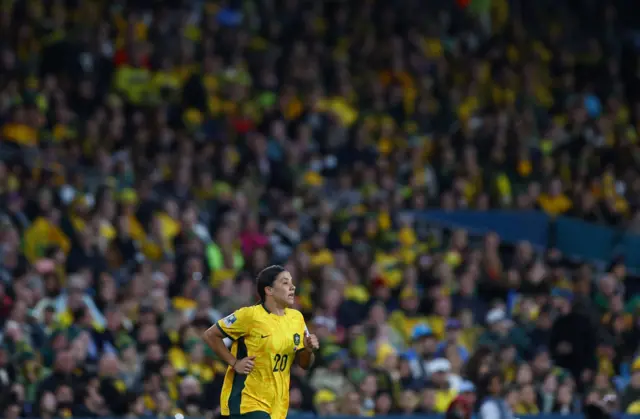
{"points": [[274, 341]]}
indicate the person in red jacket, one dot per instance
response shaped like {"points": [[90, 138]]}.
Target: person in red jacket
{"points": [[462, 406]]}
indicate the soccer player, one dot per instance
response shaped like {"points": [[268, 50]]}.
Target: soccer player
{"points": [[267, 339]]}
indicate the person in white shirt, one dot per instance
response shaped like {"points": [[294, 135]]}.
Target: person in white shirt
{"points": [[493, 405]]}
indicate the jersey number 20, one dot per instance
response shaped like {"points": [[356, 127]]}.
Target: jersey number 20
{"points": [[280, 362]]}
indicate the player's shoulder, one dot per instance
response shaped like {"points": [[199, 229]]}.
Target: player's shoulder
{"points": [[250, 310], [295, 314], [244, 312]]}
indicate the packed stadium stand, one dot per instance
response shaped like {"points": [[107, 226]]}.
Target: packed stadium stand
{"points": [[453, 184]]}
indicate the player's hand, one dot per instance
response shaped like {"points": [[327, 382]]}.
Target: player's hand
{"points": [[245, 365], [311, 343]]}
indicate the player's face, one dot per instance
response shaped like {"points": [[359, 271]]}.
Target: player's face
{"points": [[283, 290]]}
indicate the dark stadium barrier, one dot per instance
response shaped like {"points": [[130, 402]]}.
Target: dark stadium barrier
{"points": [[575, 238]]}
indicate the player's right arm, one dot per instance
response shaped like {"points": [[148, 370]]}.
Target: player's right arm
{"points": [[234, 326]]}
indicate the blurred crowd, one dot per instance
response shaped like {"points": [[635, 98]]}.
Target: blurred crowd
{"points": [[156, 155]]}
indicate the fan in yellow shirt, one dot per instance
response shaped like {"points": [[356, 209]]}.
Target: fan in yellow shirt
{"points": [[407, 318], [555, 202], [43, 233], [319, 255], [192, 361], [439, 370], [128, 201], [634, 408]]}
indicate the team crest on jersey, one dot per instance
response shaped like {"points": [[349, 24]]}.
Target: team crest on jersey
{"points": [[296, 339], [229, 320]]}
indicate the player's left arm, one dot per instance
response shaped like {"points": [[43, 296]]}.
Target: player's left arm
{"points": [[305, 355]]}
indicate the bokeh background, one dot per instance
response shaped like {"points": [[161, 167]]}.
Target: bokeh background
{"points": [[454, 186]]}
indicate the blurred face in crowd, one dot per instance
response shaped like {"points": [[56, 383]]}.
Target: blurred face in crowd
{"points": [[524, 374], [154, 352], [327, 408], [17, 392], [146, 316], [369, 386], [452, 353], [171, 209], [190, 217], [503, 326], [541, 363], [378, 314], [383, 404], [619, 270], [428, 399], [459, 240], [544, 321], [94, 399], [79, 350], [495, 385], [204, 298], [467, 285], [466, 319], [197, 353], [391, 362], [260, 258], [168, 268], [148, 333], [152, 384], [65, 362], [351, 404], [382, 292], [410, 303], [129, 355], [189, 387], [318, 241], [550, 383], [295, 398], [508, 355], [108, 291], [75, 295], [19, 311], [12, 411], [48, 403], [440, 378], [10, 238], [563, 305], [336, 365], [635, 379], [601, 380], [64, 395], [45, 201], [159, 301], [246, 287], [616, 303], [443, 306], [528, 395], [555, 188], [109, 366], [224, 237], [565, 394], [163, 402], [428, 345], [137, 407], [226, 288], [512, 398], [331, 300]]}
